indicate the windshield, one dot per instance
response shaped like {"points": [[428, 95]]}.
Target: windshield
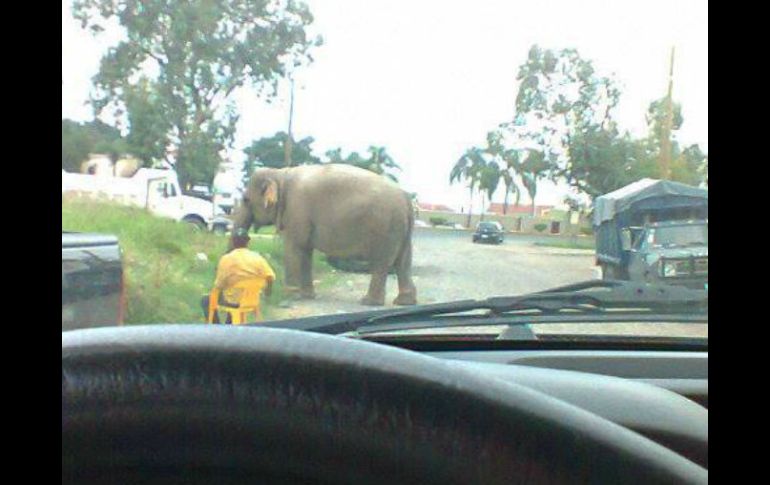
{"points": [[345, 156], [672, 236], [489, 226]]}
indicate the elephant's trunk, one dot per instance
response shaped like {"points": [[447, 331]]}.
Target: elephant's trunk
{"points": [[243, 220]]}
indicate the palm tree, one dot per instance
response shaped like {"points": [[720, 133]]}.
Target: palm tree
{"points": [[511, 165], [489, 179], [381, 162], [468, 168], [533, 169], [508, 175]]}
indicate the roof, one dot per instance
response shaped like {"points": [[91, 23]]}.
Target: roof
{"points": [[608, 205]]}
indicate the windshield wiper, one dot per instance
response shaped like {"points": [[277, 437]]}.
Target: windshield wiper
{"points": [[591, 301]]}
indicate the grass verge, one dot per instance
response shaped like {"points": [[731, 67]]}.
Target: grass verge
{"points": [[165, 275], [568, 243]]}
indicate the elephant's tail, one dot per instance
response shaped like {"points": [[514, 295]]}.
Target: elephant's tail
{"points": [[404, 258]]}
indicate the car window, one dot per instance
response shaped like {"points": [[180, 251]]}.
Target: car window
{"points": [[360, 149]]}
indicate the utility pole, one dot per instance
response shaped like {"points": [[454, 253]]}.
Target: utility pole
{"points": [[287, 143], [665, 145]]}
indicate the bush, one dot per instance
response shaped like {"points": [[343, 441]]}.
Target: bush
{"points": [[541, 227], [439, 221], [587, 231]]}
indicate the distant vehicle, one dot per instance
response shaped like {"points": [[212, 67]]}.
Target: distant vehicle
{"points": [[92, 284], [653, 230], [488, 232], [157, 190], [226, 191]]}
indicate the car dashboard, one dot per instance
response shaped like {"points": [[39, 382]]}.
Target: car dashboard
{"points": [[662, 395]]}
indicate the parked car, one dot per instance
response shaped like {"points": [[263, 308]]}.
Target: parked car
{"points": [[92, 289], [489, 232]]}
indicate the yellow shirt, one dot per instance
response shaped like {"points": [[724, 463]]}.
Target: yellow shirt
{"points": [[239, 265]]}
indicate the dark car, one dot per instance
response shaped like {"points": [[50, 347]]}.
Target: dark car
{"points": [[489, 232]]}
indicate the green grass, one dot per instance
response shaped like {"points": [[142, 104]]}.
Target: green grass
{"points": [[569, 243], [164, 277]]}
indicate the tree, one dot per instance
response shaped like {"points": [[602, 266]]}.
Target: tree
{"points": [[468, 168], [75, 145], [148, 127], [563, 129], [687, 165], [198, 52], [510, 167], [79, 140], [379, 161], [560, 97], [269, 152], [601, 160], [691, 166], [489, 179]]}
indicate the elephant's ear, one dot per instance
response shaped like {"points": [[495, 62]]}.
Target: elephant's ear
{"points": [[270, 193]]}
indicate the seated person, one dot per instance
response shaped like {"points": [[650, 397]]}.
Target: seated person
{"points": [[237, 265]]}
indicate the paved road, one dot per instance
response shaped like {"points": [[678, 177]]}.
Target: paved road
{"points": [[448, 266]]}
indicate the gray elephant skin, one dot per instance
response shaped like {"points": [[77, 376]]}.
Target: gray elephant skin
{"points": [[341, 211]]}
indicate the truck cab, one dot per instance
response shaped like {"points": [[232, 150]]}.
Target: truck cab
{"points": [[671, 252]]}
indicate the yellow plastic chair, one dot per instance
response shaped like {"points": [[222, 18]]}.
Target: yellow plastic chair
{"points": [[249, 302]]}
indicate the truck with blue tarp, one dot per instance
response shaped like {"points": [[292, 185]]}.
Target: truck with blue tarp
{"points": [[653, 230]]}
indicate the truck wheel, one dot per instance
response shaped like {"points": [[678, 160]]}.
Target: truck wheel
{"points": [[197, 224], [220, 230]]}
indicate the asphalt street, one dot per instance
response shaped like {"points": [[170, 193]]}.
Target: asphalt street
{"points": [[448, 266]]}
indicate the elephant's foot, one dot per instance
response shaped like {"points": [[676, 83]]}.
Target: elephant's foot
{"points": [[370, 301], [306, 294], [405, 299], [297, 293]]}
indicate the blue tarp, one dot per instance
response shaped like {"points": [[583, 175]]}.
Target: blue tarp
{"points": [[649, 195]]}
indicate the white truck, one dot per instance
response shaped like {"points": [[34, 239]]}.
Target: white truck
{"points": [[157, 190]]}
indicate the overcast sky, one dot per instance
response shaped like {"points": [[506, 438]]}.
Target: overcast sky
{"points": [[428, 79]]}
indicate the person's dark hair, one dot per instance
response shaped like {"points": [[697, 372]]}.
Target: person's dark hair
{"points": [[239, 241]]}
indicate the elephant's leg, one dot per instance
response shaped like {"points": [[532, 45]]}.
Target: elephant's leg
{"points": [[376, 294], [292, 259], [306, 274], [407, 292]]}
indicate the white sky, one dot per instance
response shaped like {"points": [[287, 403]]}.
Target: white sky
{"points": [[427, 79]]}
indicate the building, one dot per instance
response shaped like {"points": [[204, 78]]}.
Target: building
{"points": [[519, 210]]}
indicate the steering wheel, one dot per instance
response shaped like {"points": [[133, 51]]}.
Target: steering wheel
{"points": [[216, 404]]}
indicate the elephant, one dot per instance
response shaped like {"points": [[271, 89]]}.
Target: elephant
{"points": [[340, 210]]}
